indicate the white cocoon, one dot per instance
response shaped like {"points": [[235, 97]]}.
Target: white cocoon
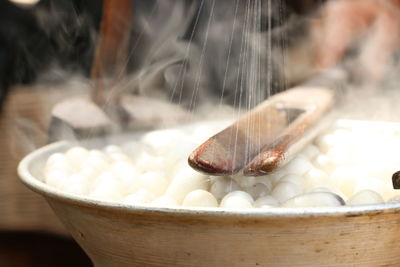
{"points": [[58, 162], [345, 178], [127, 173], [153, 182], [107, 187], [147, 162], [55, 159], [110, 149], [310, 152], [285, 190], [365, 197], [238, 200], [258, 190], [314, 199], [293, 178], [96, 160], [115, 157], [185, 181], [200, 198], [223, 186], [314, 177], [163, 140], [324, 163], [298, 165], [76, 156], [77, 184], [371, 184], [142, 196], [55, 178]]}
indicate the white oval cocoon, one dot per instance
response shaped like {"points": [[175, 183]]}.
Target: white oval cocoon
{"points": [[162, 140], [313, 200], [89, 172], [223, 186], [246, 181], [58, 162], [328, 188], [115, 157], [373, 184], [314, 177], [76, 156], [185, 181], [55, 178], [241, 194], [127, 173], [55, 159], [324, 163], [276, 176], [285, 190], [153, 182], [310, 152], [200, 198], [107, 187], [142, 196], [237, 200], [365, 197], [258, 190], [96, 160], [110, 149], [345, 178], [147, 162], [298, 166], [292, 178], [266, 181], [325, 142], [76, 184]]}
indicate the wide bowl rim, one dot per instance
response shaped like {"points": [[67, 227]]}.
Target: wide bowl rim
{"points": [[24, 172]]}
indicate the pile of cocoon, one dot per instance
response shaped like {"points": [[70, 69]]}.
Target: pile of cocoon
{"points": [[351, 164]]}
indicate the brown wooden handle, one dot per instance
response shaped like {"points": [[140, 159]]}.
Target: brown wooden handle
{"points": [[260, 139], [112, 48]]}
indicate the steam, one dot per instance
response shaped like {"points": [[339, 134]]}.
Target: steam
{"points": [[215, 58]]}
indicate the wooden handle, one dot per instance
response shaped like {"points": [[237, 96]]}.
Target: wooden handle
{"points": [[260, 138], [112, 49], [316, 103]]}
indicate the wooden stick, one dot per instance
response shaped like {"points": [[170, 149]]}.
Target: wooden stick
{"points": [[260, 139], [112, 49]]}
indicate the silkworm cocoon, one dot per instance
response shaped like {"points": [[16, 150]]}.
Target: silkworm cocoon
{"points": [[314, 199], [106, 187], [127, 173], [258, 190], [142, 196], [153, 182], [222, 186], [310, 152], [200, 198], [298, 165], [185, 181], [365, 197], [237, 200], [76, 184], [76, 156], [285, 190]]}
